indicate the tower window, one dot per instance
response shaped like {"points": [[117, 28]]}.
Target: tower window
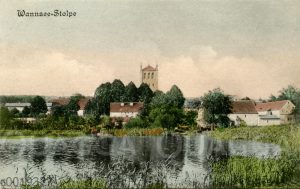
{"points": [[144, 75], [148, 75], [152, 75]]}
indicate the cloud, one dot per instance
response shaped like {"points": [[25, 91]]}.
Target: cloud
{"points": [[50, 72], [237, 76]]}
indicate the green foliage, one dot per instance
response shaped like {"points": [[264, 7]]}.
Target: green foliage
{"points": [[40, 133], [216, 106], [136, 123], [15, 112], [193, 103], [38, 106], [175, 97], [290, 93], [106, 122], [117, 91], [145, 93], [103, 98], [89, 183], [72, 107], [131, 93], [243, 172], [159, 99], [190, 118], [58, 111], [15, 98], [26, 111], [5, 117], [166, 116], [251, 171]]}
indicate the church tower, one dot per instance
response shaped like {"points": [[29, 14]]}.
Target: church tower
{"points": [[149, 75]]}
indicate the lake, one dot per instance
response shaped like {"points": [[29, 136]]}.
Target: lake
{"points": [[181, 158]]}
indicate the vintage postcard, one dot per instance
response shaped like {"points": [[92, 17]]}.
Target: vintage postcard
{"points": [[149, 94]]}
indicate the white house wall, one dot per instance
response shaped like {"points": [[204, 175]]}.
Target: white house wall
{"points": [[265, 122], [274, 112], [80, 112], [250, 119], [123, 114], [288, 108]]}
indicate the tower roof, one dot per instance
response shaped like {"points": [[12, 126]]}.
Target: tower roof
{"points": [[149, 68]]}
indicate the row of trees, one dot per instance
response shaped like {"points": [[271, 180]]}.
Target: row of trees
{"points": [[160, 109], [117, 92]]}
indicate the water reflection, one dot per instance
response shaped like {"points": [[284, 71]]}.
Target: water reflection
{"points": [[190, 155]]}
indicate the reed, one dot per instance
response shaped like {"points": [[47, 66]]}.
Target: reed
{"points": [[40, 133], [136, 132], [89, 183], [245, 172]]}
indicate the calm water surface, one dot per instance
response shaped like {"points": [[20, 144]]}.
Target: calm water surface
{"points": [[190, 155]]}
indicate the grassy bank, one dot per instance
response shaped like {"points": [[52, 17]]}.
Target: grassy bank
{"points": [[134, 132], [75, 133], [245, 172], [40, 133]]}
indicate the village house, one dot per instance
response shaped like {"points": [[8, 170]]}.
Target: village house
{"points": [[65, 101], [262, 113], [19, 106], [244, 110], [275, 113], [125, 110], [82, 104]]}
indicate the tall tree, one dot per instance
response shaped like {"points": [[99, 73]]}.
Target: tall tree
{"points": [[5, 117], [38, 105], [145, 93], [26, 111], [166, 116], [58, 111], [72, 107], [117, 90], [131, 93], [216, 106], [175, 97], [103, 98], [159, 99]]}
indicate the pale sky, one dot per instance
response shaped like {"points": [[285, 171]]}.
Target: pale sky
{"points": [[247, 48]]}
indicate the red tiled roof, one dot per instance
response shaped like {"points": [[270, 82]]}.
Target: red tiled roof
{"points": [[65, 101], [149, 68], [61, 101], [277, 105], [117, 107], [243, 107], [83, 102]]}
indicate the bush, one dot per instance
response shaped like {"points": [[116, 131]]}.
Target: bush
{"points": [[135, 123], [166, 117]]}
